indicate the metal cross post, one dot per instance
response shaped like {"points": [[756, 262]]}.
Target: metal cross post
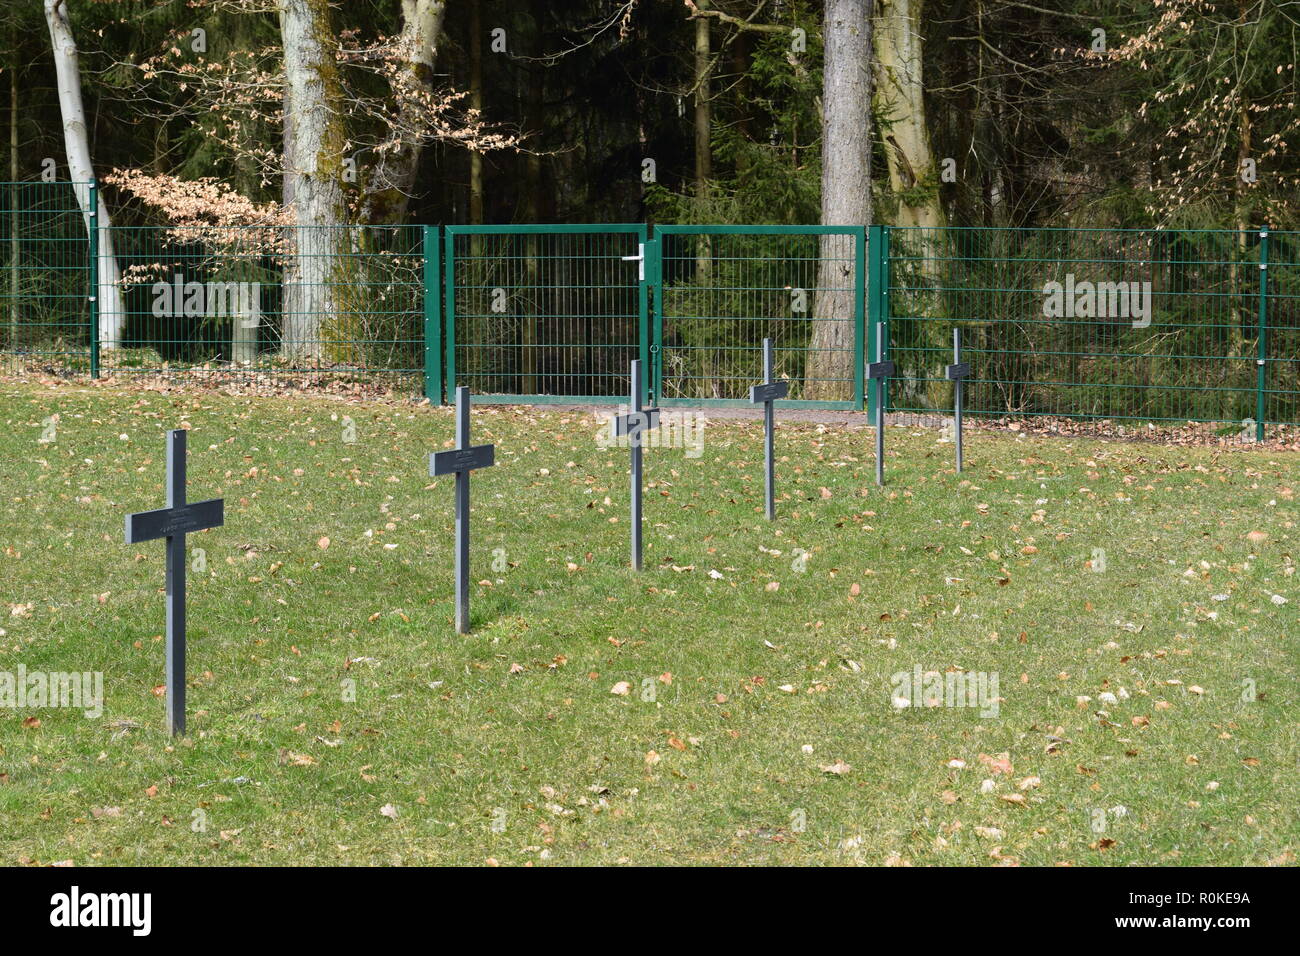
{"points": [[957, 373], [634, 425], [766, 393], [173, 523], [460, 461], [880, 370]]}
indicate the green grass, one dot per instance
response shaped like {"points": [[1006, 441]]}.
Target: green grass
{"points": [[508, 745]]}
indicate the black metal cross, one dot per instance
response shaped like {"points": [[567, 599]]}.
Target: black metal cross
{"points": [[880, 370], [173, 523], [460, 461], [634, 425], [957, 373], [767, 393]]}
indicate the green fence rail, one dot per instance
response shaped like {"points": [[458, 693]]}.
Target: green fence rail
{"points": [[1166, 327], [1149, 326]]}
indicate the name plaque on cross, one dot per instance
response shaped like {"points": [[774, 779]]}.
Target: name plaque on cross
{"points": [[955, 373], [460, 461], [174, 522]]}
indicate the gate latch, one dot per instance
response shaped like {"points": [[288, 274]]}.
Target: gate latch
{"points": [[639, 259]]}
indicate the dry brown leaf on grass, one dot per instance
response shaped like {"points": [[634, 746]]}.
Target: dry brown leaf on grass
{"points": [[1000, 763]]}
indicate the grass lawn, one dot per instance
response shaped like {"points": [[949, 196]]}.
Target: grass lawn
{"points": [[335, 717]]}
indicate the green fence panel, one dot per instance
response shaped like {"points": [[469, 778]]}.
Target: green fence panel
{"points": [[720, 290], [45, 288], [1158, 326], [1280, 351], [545, 313], [272, 303]]}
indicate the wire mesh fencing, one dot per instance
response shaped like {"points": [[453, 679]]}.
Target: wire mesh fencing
{"points": [[1147, 329], [1152, 327], [720, 290], [45, 289], [270, 303], [545, 313]]}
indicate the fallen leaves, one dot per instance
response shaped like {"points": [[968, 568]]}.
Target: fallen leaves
{"points": [[1001, 763]]}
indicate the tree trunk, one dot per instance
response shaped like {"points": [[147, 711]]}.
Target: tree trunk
{"points": [[913, 178], [900, 88], [76, 142], [476, 103], [846, 195], [533, 307], [703, 136], [388, 188], [314, 161], [15, 246]]}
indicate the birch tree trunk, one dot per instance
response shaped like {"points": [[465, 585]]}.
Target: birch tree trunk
{"points": [[315, 142], [112, 315], [846, 194], [388, 188]]}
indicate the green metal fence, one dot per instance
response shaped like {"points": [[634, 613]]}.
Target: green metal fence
{"points": [[545, 313], [1153, 326], [1279, 344], [1158, 326], [45, 297], [261, 301], [720, 290]]}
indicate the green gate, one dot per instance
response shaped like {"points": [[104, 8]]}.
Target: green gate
{"points": [[545, 313], [720, 290]]}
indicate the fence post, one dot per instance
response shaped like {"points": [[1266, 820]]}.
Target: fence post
{"points": [[449, 307], [859, 318], [885, 350], [877, 298], [432, 318], [1261, 356], [92, 234], [645, 336]]}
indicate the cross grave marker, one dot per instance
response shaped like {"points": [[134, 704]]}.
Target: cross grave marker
{"points": [[634, 425], [957, 373], [767, 393], [174, 522], [460, 461], [880, 370]]}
